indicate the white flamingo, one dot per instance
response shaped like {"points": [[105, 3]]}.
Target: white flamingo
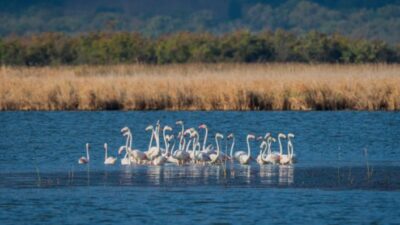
{"points": [[268, 156], [283, 158], [290, 148], [161, 158], [125, 160], [263, 146], [108, 160], [134, 155], [216, 157], [153, 152], [231, 136], [245, 158], [181, 136], [84, 160], [207, 149]]}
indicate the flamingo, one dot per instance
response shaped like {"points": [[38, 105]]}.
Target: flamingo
{"points": [[216, 158], [207, 149], [290, 148], [155, 151], [196, 155], [283, 158], [231, 136], [161, 158], [245, 158], [125, 160], [180, 122], [84, 160], [262, 149], [170, 157], [108, 160], [134, 155], [271, 157]]}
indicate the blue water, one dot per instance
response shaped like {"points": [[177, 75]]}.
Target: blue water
{"points": [[334, 181]]}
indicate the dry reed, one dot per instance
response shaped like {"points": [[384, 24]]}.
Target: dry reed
{"points": [[202, 87]]}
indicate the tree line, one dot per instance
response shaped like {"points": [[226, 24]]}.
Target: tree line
{"points": [[184, 47]]}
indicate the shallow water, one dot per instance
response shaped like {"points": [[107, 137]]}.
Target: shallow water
{"points": [[334, 181]]}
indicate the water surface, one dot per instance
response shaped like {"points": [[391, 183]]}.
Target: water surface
{"points": [[348, 170]]}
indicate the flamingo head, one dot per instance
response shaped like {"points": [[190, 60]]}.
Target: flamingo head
{"points": [[170, 137], [281, 135], [251, 136], [124, 129], [267, 135], [87, 146], [150, 127], [230, 136], [259, 138], [179, 122], [126, 133], [188, 131], [105, 146], [290, 135], [219, 135], [263, 144], [203, 126], [272, 139], [121, 149], [168, 128]]}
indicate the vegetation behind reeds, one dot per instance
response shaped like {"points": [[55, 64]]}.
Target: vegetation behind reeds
{"points": [[239, 47], [202, 87]]}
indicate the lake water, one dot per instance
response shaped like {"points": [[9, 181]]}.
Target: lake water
{"points": [[348, 171]]}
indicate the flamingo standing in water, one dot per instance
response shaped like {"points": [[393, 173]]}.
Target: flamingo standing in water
{"points": [[161, 158], [134, 155], [243, 157], [283, 158], [231, 136], [125, 160], [207, 149], [108, 160], [154, 151], [180, 122], [263, 146], [269, 156], [290, 148], [216, 157], [84, 160]]}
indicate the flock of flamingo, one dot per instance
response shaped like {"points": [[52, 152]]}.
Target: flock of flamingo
{"points": [[190, 151]]}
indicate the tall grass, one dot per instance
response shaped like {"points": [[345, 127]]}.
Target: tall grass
{"points": [[202, 87]]}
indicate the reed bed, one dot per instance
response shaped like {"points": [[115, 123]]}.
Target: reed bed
{"points": [[202, 87]]}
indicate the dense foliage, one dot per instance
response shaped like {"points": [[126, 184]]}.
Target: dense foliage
{"points": [[378, 19], [240, 46]]}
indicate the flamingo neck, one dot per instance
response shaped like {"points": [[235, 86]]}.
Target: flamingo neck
{"points": [[233, 144], [172, 148], [290, 148], [105, 156], [87, 153], [151, 138], [187, 146], [280, 145], [165, 141], [181, 139], [205, 138], [126, 146], [130, 140], [216, 142], [248, 147]]}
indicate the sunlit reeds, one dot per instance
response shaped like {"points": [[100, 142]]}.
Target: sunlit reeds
{"points": [[202, 87]]}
